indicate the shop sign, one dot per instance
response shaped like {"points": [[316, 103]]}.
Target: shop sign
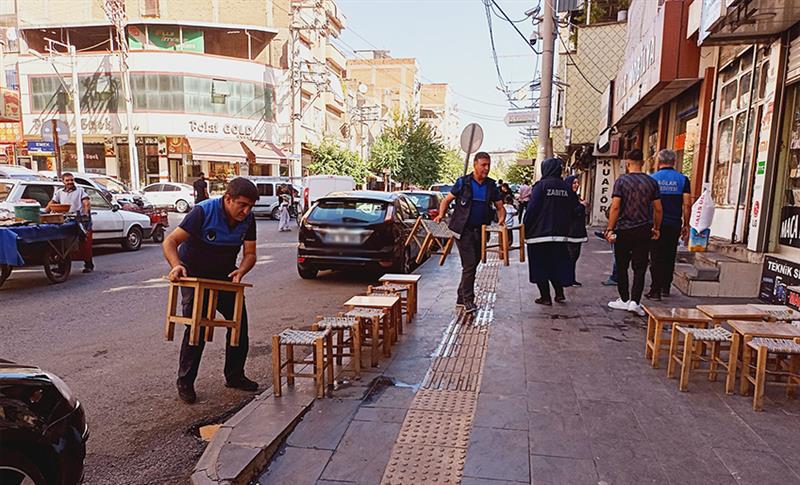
{"points": [[166, 38], [790, 226], [10, 132], [177, 145], [40, 147], [776, 275], [604, 184], [94, 155], [209, 127], [10, 107], [712, 11]]}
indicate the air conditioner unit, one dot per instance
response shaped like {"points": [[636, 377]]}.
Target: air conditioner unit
{"points": [[610, 149]]}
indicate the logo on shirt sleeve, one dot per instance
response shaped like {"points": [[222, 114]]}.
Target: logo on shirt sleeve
{"points": [[211, 235]]}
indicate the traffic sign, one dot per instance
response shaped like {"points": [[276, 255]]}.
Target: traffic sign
{"points": [[62, 128], [41, 147], [471, 138], [523, 117]]}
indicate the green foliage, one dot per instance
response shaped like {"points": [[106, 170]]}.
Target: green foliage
{"points": [[386, 153], [421, 148], [452, 166], [517, 174], [329, 158]]}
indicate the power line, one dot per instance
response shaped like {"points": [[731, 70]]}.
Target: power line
{"points": [[577, 68], [526, 39]]}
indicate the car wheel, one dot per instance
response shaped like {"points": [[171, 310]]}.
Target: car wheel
{"points": [[18, 469], [306, 272], [133, 241], [274, 214], [182, 206], [405, 265], [158, 234]]}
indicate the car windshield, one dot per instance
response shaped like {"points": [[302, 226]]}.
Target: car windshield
{"points": [[111, 185], [445, 189], [5, 190], [422, 201], [356, 211]]}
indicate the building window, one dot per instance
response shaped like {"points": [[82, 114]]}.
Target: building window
{"points": [[149, 8]]}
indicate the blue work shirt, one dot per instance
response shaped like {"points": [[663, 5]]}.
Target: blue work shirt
{"points": [[479, 208], [213, 244], [672, 185]]}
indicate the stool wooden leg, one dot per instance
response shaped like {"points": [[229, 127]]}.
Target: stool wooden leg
{"points": [[744, 383], [276, 366], [388, 333], [340, 343], [483, 244], [376, 324], [713, 365], [673, 351], [733, 364], [398, 310], [791, 383], [319, 367], [289, 364], [172, 308], [355, 341], [426, 243], [197, 302], [656, 343], [522, 243], [761, 374], [688, 360], [211, 312], [648, 339], [504, 245], [238, 306], [329, 361]]}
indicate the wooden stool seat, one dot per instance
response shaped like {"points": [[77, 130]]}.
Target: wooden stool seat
{"points": [[348, 338], [775, 345], [694, 342], [318, 339], [763, 346], [400, 291], [436, 233]]}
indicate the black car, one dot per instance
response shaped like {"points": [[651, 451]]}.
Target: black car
{"points": [[427, 201], [357, 230], [43, 428]]}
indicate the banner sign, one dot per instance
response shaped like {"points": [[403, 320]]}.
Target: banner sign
{"points": [[166, 38], [790, 226], [776, 276]]}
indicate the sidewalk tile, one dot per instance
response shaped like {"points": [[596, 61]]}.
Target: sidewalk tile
{"points": [[500, 411], [552, 470], [749, 466], [384, 415], [486, 481], [362, 455], [392, 397], [506, 380], [627, 462], [556, 397], [499, 454], [559, 434], [608, 421], [298, 466], [597, 387], [324, 424]]}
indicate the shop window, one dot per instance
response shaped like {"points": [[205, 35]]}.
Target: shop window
{"points": [[722, 163], [728, 102], [762, 86], [736, 160]]}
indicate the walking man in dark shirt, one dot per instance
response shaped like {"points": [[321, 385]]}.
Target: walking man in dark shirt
{"points": [[476, 193], [633, 221], [676, 200], [206, 245], [200, 189]]}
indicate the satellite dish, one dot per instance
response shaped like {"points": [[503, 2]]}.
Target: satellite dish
{"points": [[363, 88]]}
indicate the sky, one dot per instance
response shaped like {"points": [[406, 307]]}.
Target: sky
{"points": [[450, 40]]}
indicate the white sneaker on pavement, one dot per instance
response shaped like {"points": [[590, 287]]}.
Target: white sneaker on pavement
{"points": [[636, 308], [618, 304]]}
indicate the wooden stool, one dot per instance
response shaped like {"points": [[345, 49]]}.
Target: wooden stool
{"points": [[501, 247], [375, 328], [411, 281], [203, 287], [435, 233], [338, 325], [401, 291], [695, 339], [659, 318], [316, 339], [763, 347]]}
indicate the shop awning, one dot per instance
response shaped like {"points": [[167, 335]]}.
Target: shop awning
{"points": [[214, 150], [264, 152]]}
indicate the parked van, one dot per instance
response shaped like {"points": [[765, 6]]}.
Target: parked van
{"points": [[267, 204], [318, 186]]}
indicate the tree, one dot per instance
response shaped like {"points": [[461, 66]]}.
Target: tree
{"points": [[422, 151], [329, 158], [386, 154], [517, 174], [452, 166]]}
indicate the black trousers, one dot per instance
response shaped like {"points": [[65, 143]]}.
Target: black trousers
{"points": [[191, 354], [469, 249], [631, 249], [662, 257], [574, 250], [521, 211]]}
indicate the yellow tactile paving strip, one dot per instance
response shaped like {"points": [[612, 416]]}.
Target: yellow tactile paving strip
{"points": [[432, 445]]}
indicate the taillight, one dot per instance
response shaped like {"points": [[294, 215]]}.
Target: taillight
{"points": [[433, 213], [389, 213], [305, 197]]}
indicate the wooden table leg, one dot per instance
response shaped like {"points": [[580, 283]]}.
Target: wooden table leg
{"points": [[791, 382], [276, 366], [648, 339], [329, 360], [761, 374], [319, 367], [355, 340], [446, 251], [289, 364], [673, 351], [376, 324], [688, 359], [744, 383], [656, 344], [733, 363]]}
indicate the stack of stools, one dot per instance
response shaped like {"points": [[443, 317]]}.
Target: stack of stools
{"points": [[762, 347], [374, 324], [318, 340], [400, 291], [348, 338], [694, 341]]}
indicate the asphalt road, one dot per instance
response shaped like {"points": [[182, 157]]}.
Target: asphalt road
{"points": [[103, 333]]}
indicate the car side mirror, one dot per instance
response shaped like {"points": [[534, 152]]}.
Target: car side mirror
{"points": [[115, 207]]}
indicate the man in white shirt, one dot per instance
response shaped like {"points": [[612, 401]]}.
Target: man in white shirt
{"points": [[79, 202]]}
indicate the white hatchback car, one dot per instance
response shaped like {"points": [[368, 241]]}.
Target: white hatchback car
{"points": [[170, 194], [109, 223]]}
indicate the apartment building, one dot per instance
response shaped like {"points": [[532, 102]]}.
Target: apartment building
{"points": [[438, 110]]}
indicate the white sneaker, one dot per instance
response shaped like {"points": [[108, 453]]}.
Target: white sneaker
{"points": [[618, 304], [636, 308]]}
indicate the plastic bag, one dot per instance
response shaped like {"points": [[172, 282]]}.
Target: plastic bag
{"points": [[702, 211]]}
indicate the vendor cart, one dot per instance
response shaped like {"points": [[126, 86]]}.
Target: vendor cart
{"points": [[48, 245]]}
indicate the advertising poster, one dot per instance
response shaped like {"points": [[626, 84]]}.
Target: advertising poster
{"points": [[777, 276]]}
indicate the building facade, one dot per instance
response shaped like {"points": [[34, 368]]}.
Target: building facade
{"points": [[438, 110]]}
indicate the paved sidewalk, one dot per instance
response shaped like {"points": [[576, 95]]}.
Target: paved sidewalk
{"points": [[563, 396]]}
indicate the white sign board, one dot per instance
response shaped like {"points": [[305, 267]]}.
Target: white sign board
{"points": [[524, 117], [605, 175], [471, 138]]}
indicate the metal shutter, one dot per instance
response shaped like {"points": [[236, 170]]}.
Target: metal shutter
{"points": [[793, 72]]}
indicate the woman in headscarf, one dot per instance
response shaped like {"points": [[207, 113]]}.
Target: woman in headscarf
{"points": [[551, 209], [577, 230]]}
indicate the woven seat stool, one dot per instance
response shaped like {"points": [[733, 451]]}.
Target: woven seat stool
{"points": [[401, 291], [695, 340], [290, 338], [763, 346], [374, 324], [348, 339], [661, 319]]}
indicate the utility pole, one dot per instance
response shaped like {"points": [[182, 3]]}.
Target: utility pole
{"points": [[295, 77], [115, 11], [76, 108], [547, 32]]}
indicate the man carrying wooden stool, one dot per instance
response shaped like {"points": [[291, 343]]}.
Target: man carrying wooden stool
{"points": [[206, 245]]}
